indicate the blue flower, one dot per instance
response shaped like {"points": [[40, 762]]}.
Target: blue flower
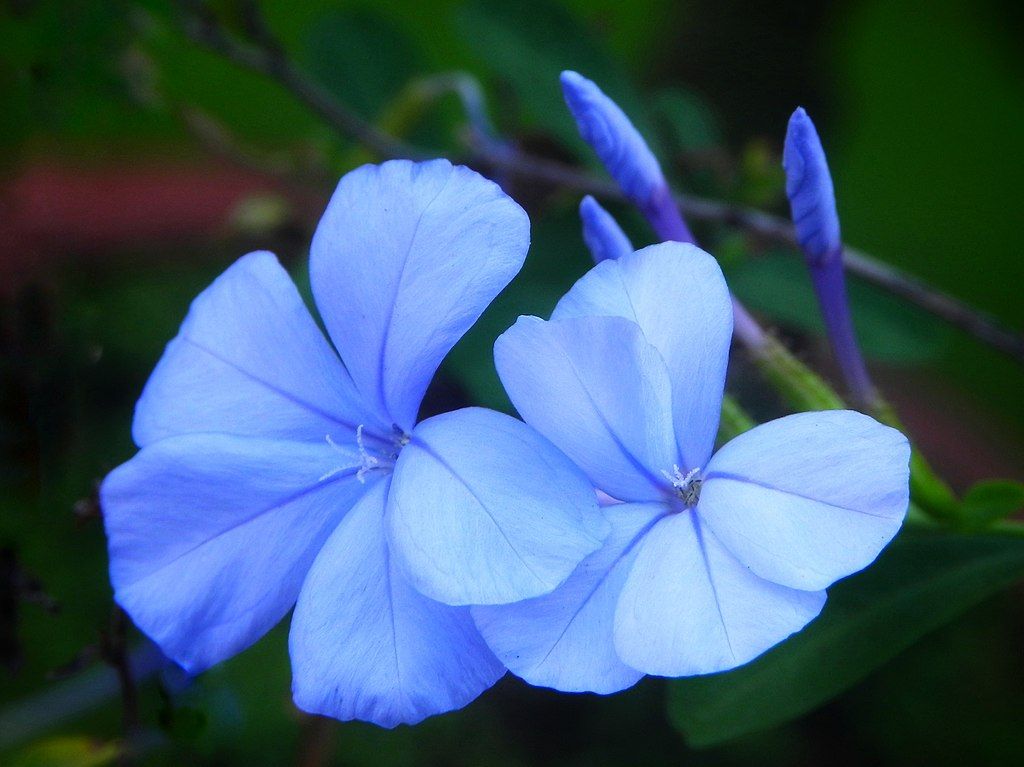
{"points": [[601, 232], [713, 558], [274, 471]]}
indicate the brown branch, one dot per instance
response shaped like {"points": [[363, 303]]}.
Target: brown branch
{"points": [[114, 649], [202, 27], [270, 60]]}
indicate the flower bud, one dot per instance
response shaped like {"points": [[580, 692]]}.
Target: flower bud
{"points": [[625, 155], [809, 188], [813, 201], [620, 146], [602, 233]]}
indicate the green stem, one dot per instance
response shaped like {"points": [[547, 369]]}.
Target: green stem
{"points": [[930, 490], [803, 389], [1006, 527], [734, 421], [800, 387]]}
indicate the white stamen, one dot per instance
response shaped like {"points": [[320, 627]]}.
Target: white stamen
{"points": [[333, 472], [370, 462], [367, 461], [687, 486]]}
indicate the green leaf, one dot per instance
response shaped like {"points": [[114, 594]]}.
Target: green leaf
{"points": [[992, 500], [344, 52], [528, 44], [888, 329], [67, 752], [689, 121], [921, 582]]}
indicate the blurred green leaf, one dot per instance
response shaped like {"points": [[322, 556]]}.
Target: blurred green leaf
{"points": [[921, 582], [688, 121], [762, 181], [992, 500], [248, 103], [888, 329], [67, 752], [344, 52], [183, 723], [243, 705], [528, 44], [63, 73], [937, 201]]}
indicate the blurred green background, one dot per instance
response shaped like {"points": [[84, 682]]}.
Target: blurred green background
{"points": [[136, 166]]}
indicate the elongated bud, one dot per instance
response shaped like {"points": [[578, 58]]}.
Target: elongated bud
{"points": [[620, 146], [812, 200], [602, 233], [809, 188], [636, 170], [625, 155]]}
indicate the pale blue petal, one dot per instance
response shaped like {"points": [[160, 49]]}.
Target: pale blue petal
{"points": [[689, 607], [366, 645], [602, 233], [600, 392], [563, 640], [676, 293], [810, 498], [249, 360], [210, 536], [405, 259], [484, 510]]}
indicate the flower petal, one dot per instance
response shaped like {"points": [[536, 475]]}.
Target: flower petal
{"points": [[564, 639], [249, 360], [365, 645], [210, 536], [405, 259], [600, 392], [676, 293], [810, 498], [688, 607], [484, 510]]}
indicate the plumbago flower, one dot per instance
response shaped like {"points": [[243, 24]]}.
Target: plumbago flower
{"points": [[274, 470], [713, 558]]}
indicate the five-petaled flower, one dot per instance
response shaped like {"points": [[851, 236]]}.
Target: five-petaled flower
{"points": [[274, 470], [713, 558]]}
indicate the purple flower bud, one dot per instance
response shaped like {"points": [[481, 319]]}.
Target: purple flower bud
{"points": [[620, 146], [602, 233], [812, 199], [625, 155], [810, 192]]}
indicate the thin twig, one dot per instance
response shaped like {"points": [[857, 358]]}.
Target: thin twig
{"points": [[870, 269], [204, 29], [317, 741], [115, 652]]}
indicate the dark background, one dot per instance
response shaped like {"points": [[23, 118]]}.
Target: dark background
{"points": [[136, 166]]}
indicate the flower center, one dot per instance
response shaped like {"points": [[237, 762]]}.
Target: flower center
{"points": [[378, 457], [686, 486]]}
